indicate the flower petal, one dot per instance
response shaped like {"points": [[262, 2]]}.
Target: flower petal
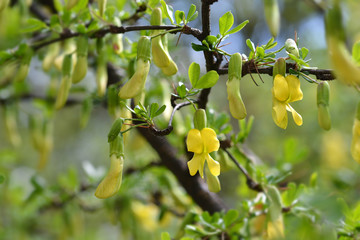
{"points": [[211, 143], [297, 117], [194, 141], [213, 165], [279, 108], [294, 88], [195, 164], [279, 114], [281, 88]]}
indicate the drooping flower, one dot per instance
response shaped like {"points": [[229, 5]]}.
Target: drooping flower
{"points": [[201, 143], [285, 90]]}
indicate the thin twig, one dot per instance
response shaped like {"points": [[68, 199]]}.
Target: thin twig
{"points": [[112, 29], [252, 184], [169, 128]]}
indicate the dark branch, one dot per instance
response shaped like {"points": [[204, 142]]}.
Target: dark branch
{"points": [[111, 29], [209, 57], [321, 74], [169, 128], [249, 181]]}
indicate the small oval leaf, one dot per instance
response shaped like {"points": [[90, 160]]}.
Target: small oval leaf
{"points": [[226, 22], [208, 80], [194, 73]]}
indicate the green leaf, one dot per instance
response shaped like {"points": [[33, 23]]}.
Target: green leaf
{"points": [[238, 27], [165, 236], [153, 108], [208, 80], [168, 11], [304, 52], [198, 47], [191, 12], [211, 40], [34, 24], [193, 17], [356, 52], [181, 90], [230, 217], [225, 22], [160, 110], [260, 52], [299, 61], [194, 73], [250, 44], [179, 16]]}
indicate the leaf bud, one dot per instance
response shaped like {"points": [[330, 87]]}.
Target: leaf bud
{"points": [[101, 75], [236, 104], [272, 16], [235, 66], [136, 84], [279, 67], [144, 48], [117, 144], [291, 47], [324, 117], [24, 66], [156, 17], [110, 185], [200, 120], [102, 7], [67, 65], [50, 56], [323, 92], [65, 84], [10, 113], [115, 129], [81, 63]]}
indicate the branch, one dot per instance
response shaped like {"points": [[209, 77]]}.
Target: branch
{"points": [[209, 58], [112, 29], [247, 68], [252, 184], [169, 128]]}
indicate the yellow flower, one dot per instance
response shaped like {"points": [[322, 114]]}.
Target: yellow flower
{"points": [[285, 90], [201, 143]]}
